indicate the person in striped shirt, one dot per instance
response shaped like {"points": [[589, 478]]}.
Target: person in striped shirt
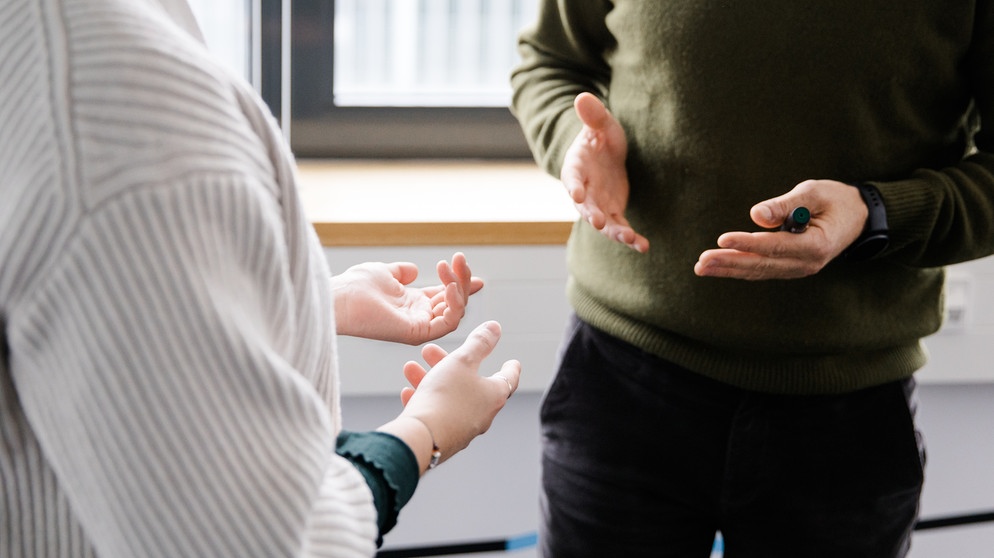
{"points": [[168, 321]]}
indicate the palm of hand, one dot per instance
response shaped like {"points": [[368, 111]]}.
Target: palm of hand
{"points": [[376, 301], [411, 310], [392, 311], [598, 180], [595, 175]]}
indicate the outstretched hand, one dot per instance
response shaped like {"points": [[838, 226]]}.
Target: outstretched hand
{"points": [[451, 398], [838, 215], [375, 301], [594, 173]]}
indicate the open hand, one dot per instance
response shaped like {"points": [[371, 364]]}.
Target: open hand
{"points": [[375, 301], [451, 398], [594, 173]]}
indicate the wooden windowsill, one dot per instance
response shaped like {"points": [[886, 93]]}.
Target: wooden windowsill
{"points": [[422, 203]]}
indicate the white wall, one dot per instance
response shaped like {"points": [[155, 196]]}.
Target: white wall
{"points": [[490, 490], [958, 423], [963, 349]]}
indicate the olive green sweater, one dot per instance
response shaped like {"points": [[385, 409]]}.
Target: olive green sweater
{"points": [[726, 104]]}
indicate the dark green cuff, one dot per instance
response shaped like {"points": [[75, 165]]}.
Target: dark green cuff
{"points": [[389, 467]]}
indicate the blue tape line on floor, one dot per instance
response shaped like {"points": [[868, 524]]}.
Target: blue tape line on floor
{"points": [[524, 541]]}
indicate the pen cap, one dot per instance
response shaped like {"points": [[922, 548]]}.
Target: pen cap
{"points": [[800, 216], [797, 221]]}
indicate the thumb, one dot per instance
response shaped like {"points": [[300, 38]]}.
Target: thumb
{"points": [[591, 110], [479, 343], [404, 272], [772, 212]]}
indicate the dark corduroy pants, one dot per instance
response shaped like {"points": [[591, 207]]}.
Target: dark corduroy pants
{"points": [[642, 458]]}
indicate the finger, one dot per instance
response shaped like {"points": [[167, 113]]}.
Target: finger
{"points": [[467, 281], [475, 284], [437, 292], [404, 272], [405, 395], [433, 354], [771, 244], [591, 110], [777, 271], [455, 299], [479, 343], [446, 274], [743, 265], [594, 215], [575, 183], [440, 296], [414, 373], [509, 376], [438, 308], [460, 267], [625, 234], [457, 274], [772, 212], [764, 215], [447, 314]]}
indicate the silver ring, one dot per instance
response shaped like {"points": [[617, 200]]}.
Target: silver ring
{"points": [[510, 389]]}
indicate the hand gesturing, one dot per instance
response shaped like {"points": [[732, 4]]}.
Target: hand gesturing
{"points": [[375, 301], [594, 173]]}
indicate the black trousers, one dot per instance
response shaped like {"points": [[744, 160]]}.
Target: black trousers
{"points": [[642, 458]]}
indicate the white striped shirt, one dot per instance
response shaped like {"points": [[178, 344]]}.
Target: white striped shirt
{"points": [[168, 383]]}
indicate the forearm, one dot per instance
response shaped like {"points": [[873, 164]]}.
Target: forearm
{"points": [[942, 217], [943, 213], [562, 56], [389, 467]]}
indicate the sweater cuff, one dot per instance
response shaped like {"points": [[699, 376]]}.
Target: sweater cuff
{"points": [[389, 467]]}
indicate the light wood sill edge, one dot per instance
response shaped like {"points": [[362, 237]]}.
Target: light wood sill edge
{"points": [[422, 203]]}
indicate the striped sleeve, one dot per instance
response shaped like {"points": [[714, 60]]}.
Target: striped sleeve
{"points": [[158, 366]]}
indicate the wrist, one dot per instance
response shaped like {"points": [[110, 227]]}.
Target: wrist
{"points": [[875, 236], [419, 437], [340, 292]]}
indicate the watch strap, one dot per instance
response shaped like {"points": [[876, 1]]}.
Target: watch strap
{"points": [[876, 235]]}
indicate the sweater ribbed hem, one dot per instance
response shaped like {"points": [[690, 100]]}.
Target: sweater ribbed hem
{"points": [[792, 374]]}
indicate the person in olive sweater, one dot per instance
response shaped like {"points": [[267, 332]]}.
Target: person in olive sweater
{"points": [[721, 374]]}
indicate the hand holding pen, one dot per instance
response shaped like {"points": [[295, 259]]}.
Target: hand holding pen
{"points": [[830, 214]]}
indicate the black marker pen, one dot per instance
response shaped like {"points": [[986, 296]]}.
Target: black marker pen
{"points": [[797, 221]]}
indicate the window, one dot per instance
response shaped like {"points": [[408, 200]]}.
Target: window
{"points": [[379, 78], [247, 36], [405, 78], [228, 30], [429, 53]]}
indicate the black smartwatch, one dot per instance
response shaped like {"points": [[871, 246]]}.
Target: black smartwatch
{"points": [[876, 235]]}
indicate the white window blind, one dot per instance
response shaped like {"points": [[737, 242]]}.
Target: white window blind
{"points": [[426, 53], [227, 29]]}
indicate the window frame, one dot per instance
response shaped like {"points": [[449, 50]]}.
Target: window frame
{"points": [[272, 32], [320, 129]]}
